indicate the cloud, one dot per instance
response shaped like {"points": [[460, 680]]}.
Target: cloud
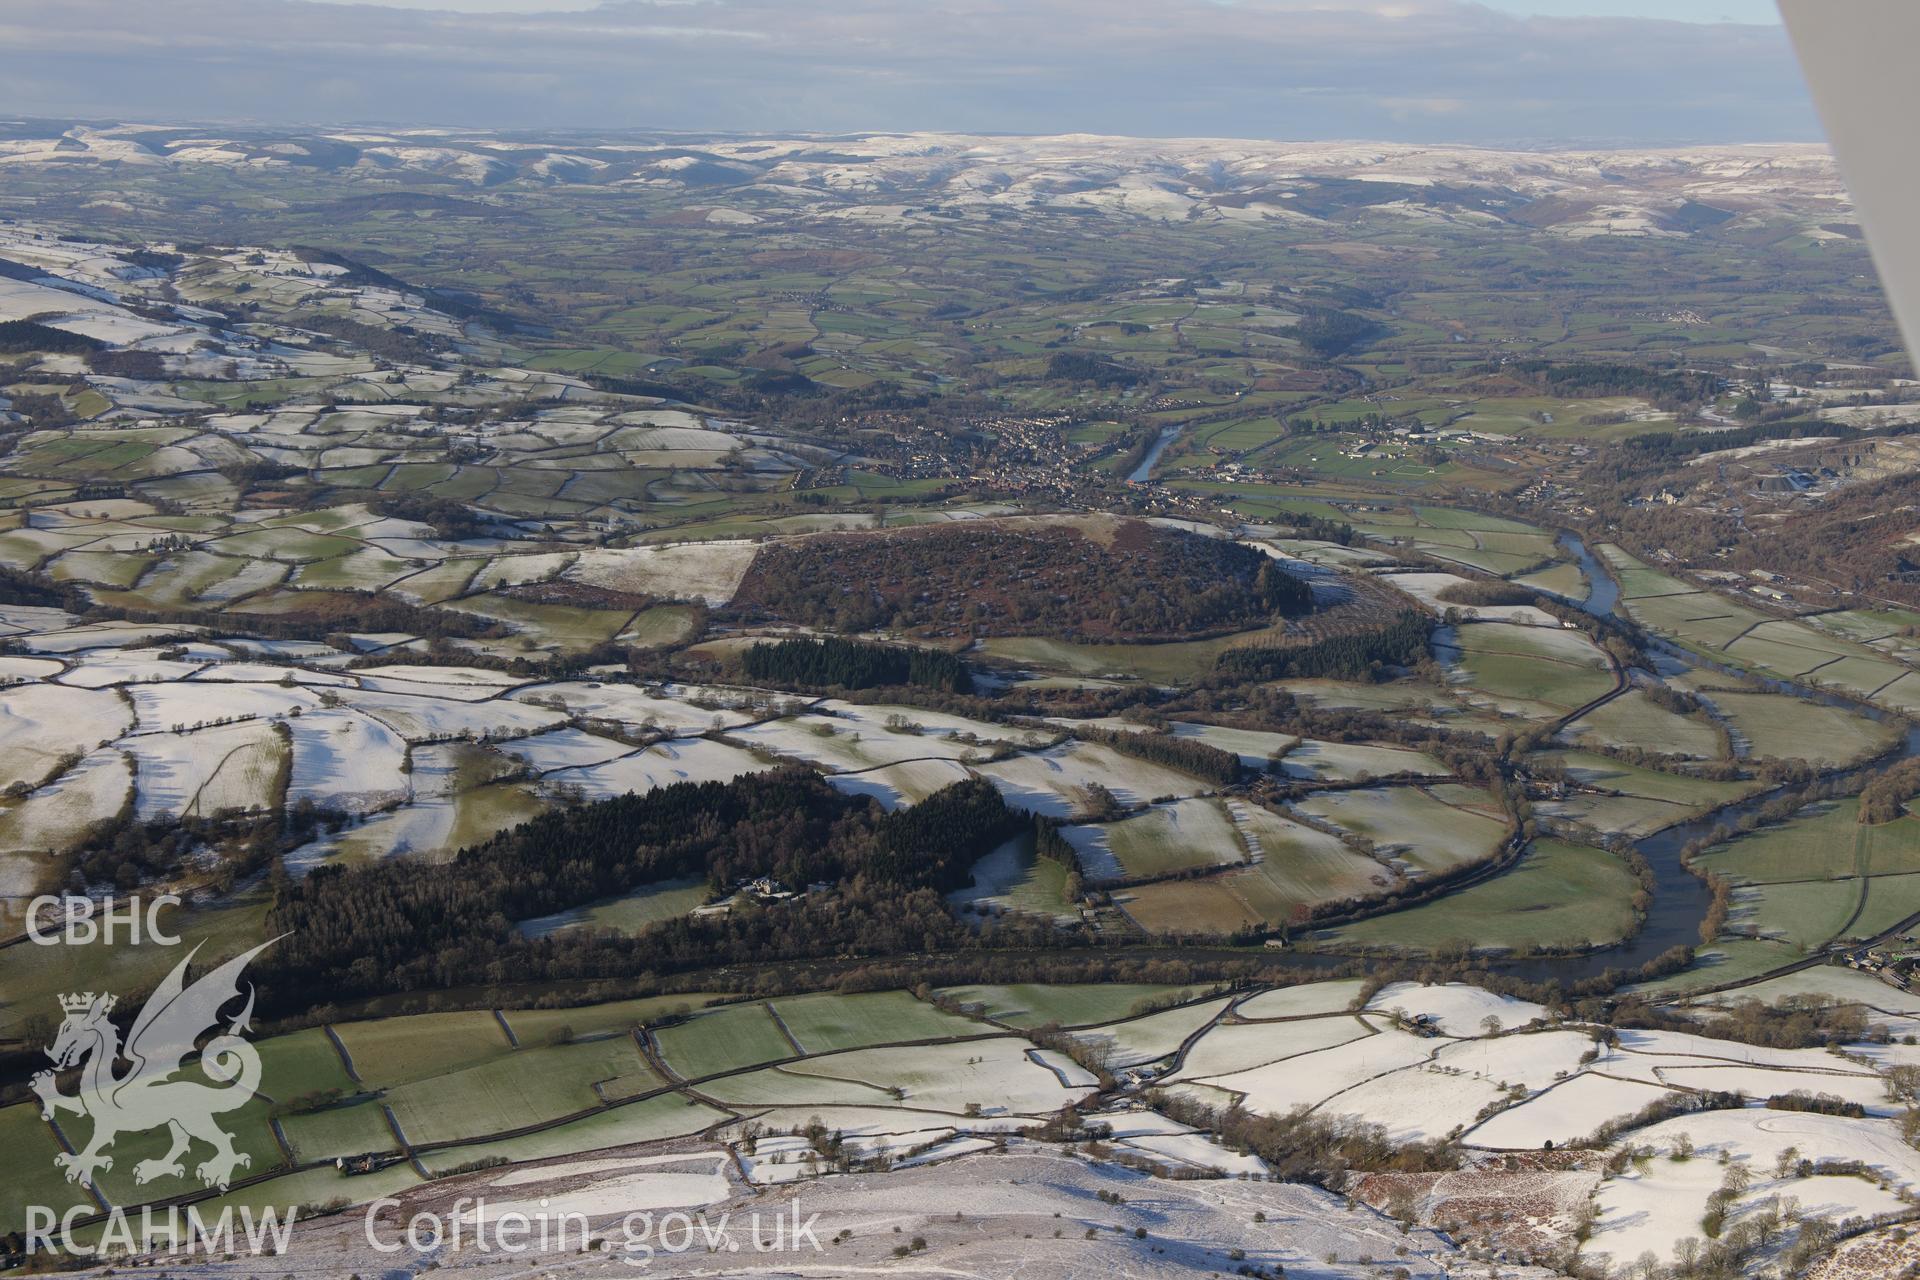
{"points": [[1418, 70]]}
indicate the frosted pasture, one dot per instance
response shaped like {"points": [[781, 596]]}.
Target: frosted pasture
{"points": [[267, 673], [928, 723], [205, 770], [1142, 1040], [838, 746], [1426, 588], [565, 749], [632, 706], [1764, 1082], [996, 1073], [20, 619], [897, 786], [1253, 747], [40, 724], [184, 704], [15, 667], [661, 765], [98, 669], [1534, 1059], [508, 571], [466, 683], [55, 815], [1680, 1044], [286, 649], [1457, 1008], [1234, 1047], [1050, 781], [424, 825], [417, 718], [1310, 998], [624, 1194], [1154, 1135], [1348, 761], [1312, 1079], [708, 571]]}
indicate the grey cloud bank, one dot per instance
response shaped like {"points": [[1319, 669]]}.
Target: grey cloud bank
{"points": [[1412, 70]]}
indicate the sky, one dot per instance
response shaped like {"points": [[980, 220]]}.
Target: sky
{"points": [[1755, 11], [1529, 72]]}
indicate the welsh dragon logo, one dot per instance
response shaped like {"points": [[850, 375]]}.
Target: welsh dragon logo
{"points": [[145, 1096]]}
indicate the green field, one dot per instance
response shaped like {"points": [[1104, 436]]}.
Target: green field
{"points": [[537, 1026], [1635, 720], [1028, 1005], [628, 914], [1623, 797], [1783, 728], [1802, 915], [1296, 867], [1181, 836], [1725, 960], [726, 1038], [30, 1175], [527, 1086], [1014, 878], [1822, 842], [668, 1115], [396, 1051], [827, 1023], [1558, 895], [1531, 664], [301, 1063], [352, 1129], [1730, 632], [1177, 662]]}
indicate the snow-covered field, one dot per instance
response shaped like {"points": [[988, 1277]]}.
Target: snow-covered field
{"points": [[54, 817], [898, 785], [345, 760], [708, 571], [840, 746], [212, 724], [418, 717], [1234, 1047], [1346, 761], [1301, 1001], [663, 764], [1419, 1103], [1657, 1203], [996, 1075], [1155, 1036], [42, 724], [565, 749], [1278, 1087], [1566, 1113], [1052, 782], [1426, 588], [203, 771], [1457, 1008], [634, 707], [182, 704]]}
